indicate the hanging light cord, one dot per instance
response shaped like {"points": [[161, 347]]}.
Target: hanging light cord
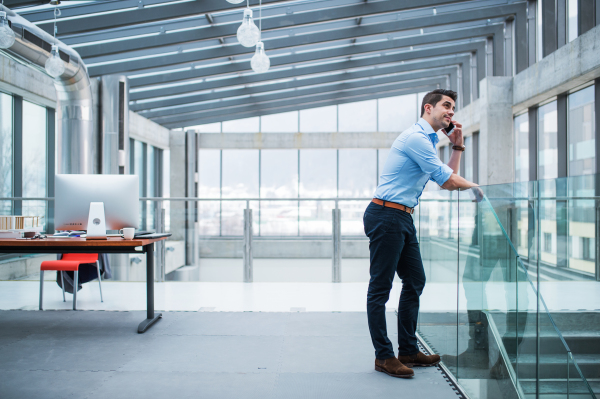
{"points": [[56, 14], [259, 21]]}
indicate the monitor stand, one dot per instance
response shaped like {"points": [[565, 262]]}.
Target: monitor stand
{"points": [[96, 227]]}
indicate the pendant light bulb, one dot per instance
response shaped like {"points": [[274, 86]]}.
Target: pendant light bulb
{"points": [[7, 36], [260, 62], [248, 33], [55, 66], [235, 1]]}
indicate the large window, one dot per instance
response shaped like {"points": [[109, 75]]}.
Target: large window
{"points": [[521, 127], [391, 114], [146, 161], [6, 152], [582, 134], [238, 175], [547, 142], [34, 158]]}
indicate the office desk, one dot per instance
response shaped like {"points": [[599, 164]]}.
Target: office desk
{"points": [[114, 245]]}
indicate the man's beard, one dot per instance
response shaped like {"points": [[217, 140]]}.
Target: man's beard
{"points": [[443, 122]]}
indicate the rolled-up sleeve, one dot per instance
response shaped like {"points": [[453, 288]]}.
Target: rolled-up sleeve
{"points": [[420, 150]]}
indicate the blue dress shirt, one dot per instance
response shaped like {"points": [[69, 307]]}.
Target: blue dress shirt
{"points": [[412, 161]]}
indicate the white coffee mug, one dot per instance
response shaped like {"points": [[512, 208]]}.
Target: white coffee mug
{"points": [[128, 233]]}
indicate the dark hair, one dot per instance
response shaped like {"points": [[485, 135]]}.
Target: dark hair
{"points": [[433, 97]]}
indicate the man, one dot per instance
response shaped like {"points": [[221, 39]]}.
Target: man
{"points": [[388, 223]]}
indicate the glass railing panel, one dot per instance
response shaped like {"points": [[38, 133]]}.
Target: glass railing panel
{"points": [[489, 308], [568, 278], [524, 344], [438, 232], [577, 386]]}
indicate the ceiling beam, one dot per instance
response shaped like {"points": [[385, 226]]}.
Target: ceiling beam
{"points": [[220, 52], [135, 15], [128, 17], [477, 47], [340, 90], [147, 46], [348, 66], [190, 22], [181, 104], [269, 110]]}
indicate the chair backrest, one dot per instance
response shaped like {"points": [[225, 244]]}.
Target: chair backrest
{"points": [[83, 258]]}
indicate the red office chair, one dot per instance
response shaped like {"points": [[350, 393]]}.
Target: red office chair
{"points": [[69, 262]]}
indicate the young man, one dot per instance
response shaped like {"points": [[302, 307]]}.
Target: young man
{"points": [[393, 244]]}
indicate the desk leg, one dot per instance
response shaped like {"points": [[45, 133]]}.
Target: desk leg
{"points": [[151, 317]]}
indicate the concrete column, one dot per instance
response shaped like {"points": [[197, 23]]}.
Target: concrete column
{"points": [[496, 143], [336, 272], [248, 256], [177, 184]]}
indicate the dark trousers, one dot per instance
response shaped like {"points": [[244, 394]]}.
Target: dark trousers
{"points": [[394, 249]]}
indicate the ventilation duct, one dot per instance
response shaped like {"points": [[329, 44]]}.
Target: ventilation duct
{"points": [[74, 111]]}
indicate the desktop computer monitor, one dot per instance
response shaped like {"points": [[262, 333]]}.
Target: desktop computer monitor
{"points": [[75, 193]]}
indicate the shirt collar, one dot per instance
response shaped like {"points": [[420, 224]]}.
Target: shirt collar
{"points": [[428, 130]]}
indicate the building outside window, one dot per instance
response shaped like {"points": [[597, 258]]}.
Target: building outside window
{"points": [[6, 152], [547, 142], [34, 158], [468, 156], [521, 128], [581, 133]]}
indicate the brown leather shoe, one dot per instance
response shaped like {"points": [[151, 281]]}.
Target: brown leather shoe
{"points": [[393, 367], [420, 360]]}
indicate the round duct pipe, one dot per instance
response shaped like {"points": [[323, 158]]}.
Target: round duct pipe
{"points": [[74, 110]]}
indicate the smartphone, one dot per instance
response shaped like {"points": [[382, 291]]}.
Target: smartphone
{"points": [[449, 129]]}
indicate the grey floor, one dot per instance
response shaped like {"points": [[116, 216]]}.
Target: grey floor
{"points": [[96, 354]]}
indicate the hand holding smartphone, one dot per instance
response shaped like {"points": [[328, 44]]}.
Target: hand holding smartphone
{"points": [[449, 129]]}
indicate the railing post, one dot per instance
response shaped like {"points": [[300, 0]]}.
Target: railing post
{"points": [[248, 268], [336, 272], [597, 239]]}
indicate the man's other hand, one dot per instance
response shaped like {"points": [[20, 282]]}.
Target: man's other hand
{"points": [[478, 192]]}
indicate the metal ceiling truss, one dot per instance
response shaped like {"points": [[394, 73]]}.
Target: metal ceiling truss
{"points": [[321, 37], [184, 68], [309, 95], [289, 83], [222, 70], [229, 30], [180, 105], [482, 32], [462, 61], [132, 14], [276, 108]]}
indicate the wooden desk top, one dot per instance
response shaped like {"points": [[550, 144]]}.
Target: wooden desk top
{"points": [[113, 242]]}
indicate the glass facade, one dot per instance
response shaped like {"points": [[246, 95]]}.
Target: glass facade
{"points": [[521, 128], [391, 114], [547, 142], [6, 152], [286, 174], [582, 133], [34, 158]]}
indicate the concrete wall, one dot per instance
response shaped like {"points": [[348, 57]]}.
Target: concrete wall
{"points": [[572, 65], [145, 130], [491, 115], [282, 248], [21, 267], [26, 82], [296, 140]]}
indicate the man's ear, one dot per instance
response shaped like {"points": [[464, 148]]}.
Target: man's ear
{"points": [[428, 107]]}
